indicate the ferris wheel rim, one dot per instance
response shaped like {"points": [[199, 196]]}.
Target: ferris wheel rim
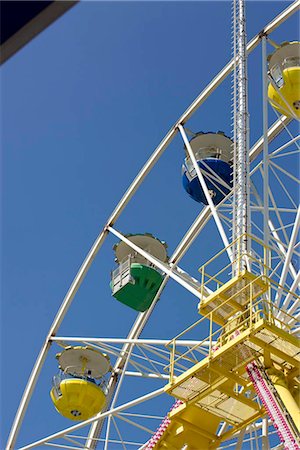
{"points": [[204, 216]]}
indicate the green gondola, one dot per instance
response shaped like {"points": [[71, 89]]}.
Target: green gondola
{"points": [[136, 281]]}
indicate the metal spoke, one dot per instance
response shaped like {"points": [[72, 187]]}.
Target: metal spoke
{"points": [[292, 177], [137, 425], [147, 366], [205, 190], [283, 147], [118, 432], [96, 418]]}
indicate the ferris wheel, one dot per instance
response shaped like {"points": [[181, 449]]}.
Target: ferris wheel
{"points": [[231, 378]]}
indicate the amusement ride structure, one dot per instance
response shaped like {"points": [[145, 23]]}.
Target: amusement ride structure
{"points": [[239, 387]]}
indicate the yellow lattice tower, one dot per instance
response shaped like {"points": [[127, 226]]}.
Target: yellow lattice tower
{"points": [[243, 328]]}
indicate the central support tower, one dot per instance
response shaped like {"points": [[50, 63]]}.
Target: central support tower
{"points": [[241, 179]]}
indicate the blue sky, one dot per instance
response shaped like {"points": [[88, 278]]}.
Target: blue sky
{"points": [[83, 107]]}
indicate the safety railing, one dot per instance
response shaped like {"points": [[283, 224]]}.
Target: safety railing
{"points": [[258, 308], [257, 263], [61, 376], [125, 264]]}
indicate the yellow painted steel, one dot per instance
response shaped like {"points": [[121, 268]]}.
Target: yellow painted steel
{"points": [[284, 71], [209, 385], [217, 384], [289, 93], [78, 399], [285, 395], [213, 282], [232, 296], [295, 390], [189, 428]]}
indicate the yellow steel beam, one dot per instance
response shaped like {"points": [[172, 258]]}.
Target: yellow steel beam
{"points": [[204, 362], [241, 399], [293, 373], [239, 427], [229, 301], [163, 443], [195, 429], [221, 385], [274, 351], [230, 375], [283, 334], [280, 383], [216, 385]]}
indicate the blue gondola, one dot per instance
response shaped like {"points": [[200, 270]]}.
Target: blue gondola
{"points": [[213, 154]]}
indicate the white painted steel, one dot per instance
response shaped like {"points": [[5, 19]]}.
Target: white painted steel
{"points": [[156, 262], [45, 348], [115, 398], [161, 376], [240, 439], [278, 20], [281, 247], [291, 309], [69, 439], [68, 447], [288, 258], [127, 405], [205, 190], [290, 142], [186, 242], [112, 441], [273, 131], [241, 178], [265, 147], [265, 432], [127, 341]]}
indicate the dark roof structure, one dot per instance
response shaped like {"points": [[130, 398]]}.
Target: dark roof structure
{"points": [[21, 21]]}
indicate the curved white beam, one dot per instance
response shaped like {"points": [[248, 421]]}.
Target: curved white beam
{"points": [[288, 258], [127, 405], [291, 9]]}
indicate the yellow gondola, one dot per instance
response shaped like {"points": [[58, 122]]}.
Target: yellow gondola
{"points": [[284, 74], [78, 399], [76, 394]]}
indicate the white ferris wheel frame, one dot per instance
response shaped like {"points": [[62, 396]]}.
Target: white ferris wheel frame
{"points": [[171, 269]]}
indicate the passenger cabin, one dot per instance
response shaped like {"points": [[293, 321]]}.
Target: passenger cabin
{"points": [[284, 76], [213, 153], [136, 281], [79, 390]]}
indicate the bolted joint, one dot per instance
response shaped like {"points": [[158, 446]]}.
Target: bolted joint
{"points": [[262, 34]]}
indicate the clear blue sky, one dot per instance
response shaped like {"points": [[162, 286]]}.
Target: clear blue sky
{"points": [[83, 106]]}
